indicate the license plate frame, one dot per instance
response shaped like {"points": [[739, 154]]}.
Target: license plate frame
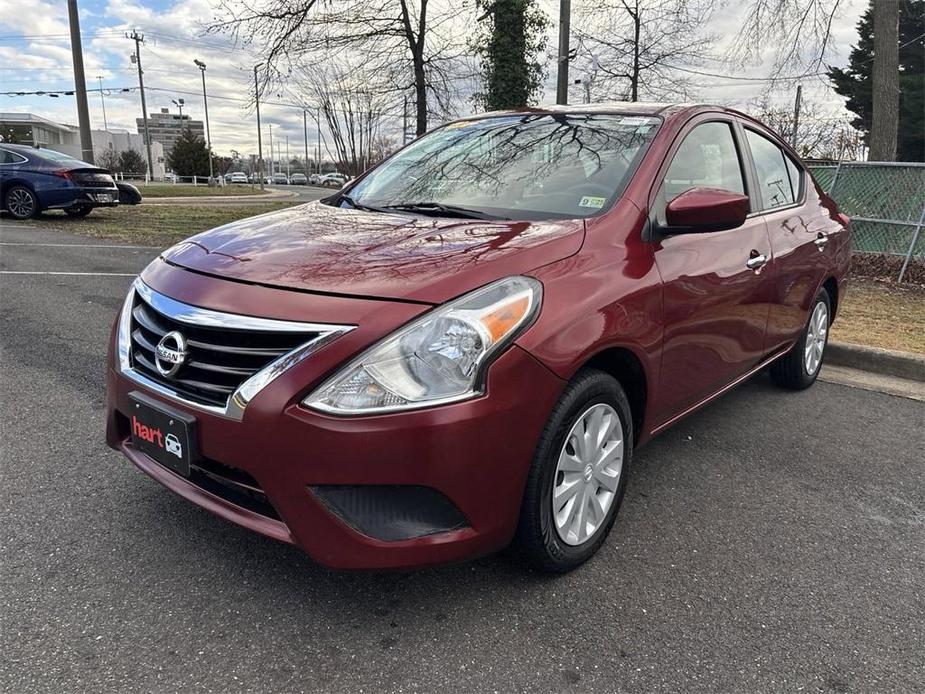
{"points": [[164, 434]]}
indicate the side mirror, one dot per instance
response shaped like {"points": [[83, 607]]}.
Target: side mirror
{"points": [[700, 210]]}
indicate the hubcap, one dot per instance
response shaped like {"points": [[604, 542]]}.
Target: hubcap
{"points": [[19, 203], [816, 333], [587, 474]]}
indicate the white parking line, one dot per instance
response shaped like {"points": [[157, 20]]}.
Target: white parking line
{"points": [[78, 245], [72, 274]]}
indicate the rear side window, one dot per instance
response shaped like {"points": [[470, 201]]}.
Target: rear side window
{"points": [[771, 166], [5, 157]]}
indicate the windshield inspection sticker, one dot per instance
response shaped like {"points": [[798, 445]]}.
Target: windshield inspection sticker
{"points": [[591, 201]]}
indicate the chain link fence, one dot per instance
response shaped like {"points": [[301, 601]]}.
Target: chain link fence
{"points": [[886, 203]]}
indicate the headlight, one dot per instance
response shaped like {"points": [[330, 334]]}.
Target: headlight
{"points": [[438, 358]]}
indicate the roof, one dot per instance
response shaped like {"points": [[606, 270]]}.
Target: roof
{"points": [[637, 108]]}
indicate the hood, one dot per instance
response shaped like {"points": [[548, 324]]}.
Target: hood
{"points": [[334, 250]]}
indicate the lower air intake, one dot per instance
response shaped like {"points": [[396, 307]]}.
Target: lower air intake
{"points": [[392, 513]]}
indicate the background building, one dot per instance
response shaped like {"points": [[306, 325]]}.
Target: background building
{"points": [[165, 127], [30, 129]]}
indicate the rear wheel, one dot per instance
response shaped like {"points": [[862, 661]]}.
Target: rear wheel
{"points": [[21, 202], [578, 477], [78, 211], [799, 368]]}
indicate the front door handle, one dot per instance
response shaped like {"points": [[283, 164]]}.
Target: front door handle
{"points": [[756, 261], [821, 240]]}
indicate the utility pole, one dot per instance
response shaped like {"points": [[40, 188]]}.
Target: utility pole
{"points": [[287, 156], [205, 105], [318, 123], [259, 134], [271, 149], [796, 116], [565, 12], [80, 84], [103, 100], [139, 39]]}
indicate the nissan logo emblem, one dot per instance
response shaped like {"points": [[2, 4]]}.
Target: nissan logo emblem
{"points": [[170, 354]]}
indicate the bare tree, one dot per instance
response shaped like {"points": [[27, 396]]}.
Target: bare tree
{"points": [[885, 82], [818, 136], [632, 49], [404, 46], [353, 115], [797, 32]]}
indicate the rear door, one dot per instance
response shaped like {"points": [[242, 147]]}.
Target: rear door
{"points": [[799, 230], [715, 305]]}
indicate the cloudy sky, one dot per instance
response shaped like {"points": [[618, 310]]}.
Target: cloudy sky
{"points": [[35, 55]]}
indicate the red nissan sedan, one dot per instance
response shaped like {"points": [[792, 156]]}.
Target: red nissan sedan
{"points": [[464, 346]]}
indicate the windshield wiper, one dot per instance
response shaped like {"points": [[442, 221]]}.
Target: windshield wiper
{"points": [[343, 197], [438, 207]]}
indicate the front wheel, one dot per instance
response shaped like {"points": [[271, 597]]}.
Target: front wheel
{"points": [[576, 483], [21, 202], [799, 368]]}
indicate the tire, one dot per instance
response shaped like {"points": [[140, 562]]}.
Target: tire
{"points": [[21, 203], [799, 368], [78, 211], [553, 546]]}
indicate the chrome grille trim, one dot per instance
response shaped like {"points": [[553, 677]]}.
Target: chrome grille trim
{"points": [[202, 317]]}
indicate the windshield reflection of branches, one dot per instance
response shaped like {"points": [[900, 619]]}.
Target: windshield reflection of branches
{"points": [[512, 162]]}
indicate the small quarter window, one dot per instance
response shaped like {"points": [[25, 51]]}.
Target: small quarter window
{"points": [[771, 167], [796, 177]]}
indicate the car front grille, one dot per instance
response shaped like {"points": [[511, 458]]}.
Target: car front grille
{"points": [[218, 360]]}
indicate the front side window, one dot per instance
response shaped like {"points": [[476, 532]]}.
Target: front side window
{"points": [[771, 168], [534, 166], [706, 158]]}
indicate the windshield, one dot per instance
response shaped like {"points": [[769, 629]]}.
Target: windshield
{"points": [[527, 167]]}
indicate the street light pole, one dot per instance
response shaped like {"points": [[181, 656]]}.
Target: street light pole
{"points": [[259, 135], [80, 84], [205, 104], [179, 105], [305, 140]]}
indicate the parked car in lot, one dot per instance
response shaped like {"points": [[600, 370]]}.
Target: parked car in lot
{"points": [[237, 177], [333, 180], [466, 345], [34, 180], [298, 179], [279, 179]]}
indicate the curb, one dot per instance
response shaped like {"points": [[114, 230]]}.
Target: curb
{"points": [[880, 361], [214, 199]]}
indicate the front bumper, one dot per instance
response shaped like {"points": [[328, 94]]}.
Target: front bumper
{"points": [[475, 454]]}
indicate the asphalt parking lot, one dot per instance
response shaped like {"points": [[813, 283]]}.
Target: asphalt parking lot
{"points": [[771, 542]]}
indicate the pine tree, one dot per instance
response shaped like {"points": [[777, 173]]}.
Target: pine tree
{"points": [[189, 155]]}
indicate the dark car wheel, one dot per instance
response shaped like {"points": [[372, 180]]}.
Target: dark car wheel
{"points": [[576, 483], [799, 368], [78, 211], [21, 202]]}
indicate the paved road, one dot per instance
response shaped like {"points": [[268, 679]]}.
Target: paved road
{"points": [[772, 542]]}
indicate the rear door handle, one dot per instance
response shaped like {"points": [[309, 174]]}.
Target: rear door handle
{"points": [[821, 240], [756, 261]]}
